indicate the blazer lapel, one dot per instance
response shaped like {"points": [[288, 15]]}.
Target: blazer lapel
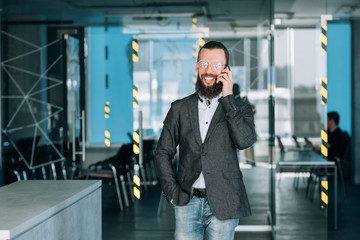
{"points": [[194, 116]]}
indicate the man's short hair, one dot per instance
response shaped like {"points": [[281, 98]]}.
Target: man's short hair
{"points": [[334, 116], [216, 45]]}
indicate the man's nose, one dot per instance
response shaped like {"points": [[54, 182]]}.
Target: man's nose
{"points": [[209, 69]]}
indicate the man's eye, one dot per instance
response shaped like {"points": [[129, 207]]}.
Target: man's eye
{"points": [[216, 65]]}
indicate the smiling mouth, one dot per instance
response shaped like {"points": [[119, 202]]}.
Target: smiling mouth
{"points": [[209, 79]]}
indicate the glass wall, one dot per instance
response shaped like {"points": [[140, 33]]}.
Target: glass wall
{"points": [[297, 59], [164, 74], [33, 111]]}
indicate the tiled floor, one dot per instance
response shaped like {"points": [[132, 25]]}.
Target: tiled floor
{"points": [[297, 217]]}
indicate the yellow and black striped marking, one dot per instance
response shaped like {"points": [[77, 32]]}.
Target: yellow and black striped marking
{"points": [[136, 190], [136, 181], [324, 193], [323, 38], [194, 51], [136, 145], [324, 96], [107, 138], [135, 46], [324, 141], [136, 177], [107, 109], [136, 96], [194, 21], [323, 90], [201, 42]]}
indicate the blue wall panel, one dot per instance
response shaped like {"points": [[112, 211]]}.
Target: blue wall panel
{"points": [[118, 67], [339, 72]]}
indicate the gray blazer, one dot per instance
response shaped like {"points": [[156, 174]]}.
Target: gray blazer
{"points": [[232, 127]]}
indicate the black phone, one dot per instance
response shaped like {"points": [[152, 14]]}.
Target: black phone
{"points": [[226, 66]]}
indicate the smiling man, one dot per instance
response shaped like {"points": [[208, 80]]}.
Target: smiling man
{"points": [[207, 190]]}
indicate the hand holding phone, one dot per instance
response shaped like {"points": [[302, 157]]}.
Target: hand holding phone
{"points": [[226, 66], [225, 81]]}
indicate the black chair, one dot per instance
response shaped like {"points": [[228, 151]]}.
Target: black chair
{"points": [[148, 169], [112, 170], [281, 145], [343, 164], [296, 141], [308, 143], [30, 160], [346, 159], [295, 148]]}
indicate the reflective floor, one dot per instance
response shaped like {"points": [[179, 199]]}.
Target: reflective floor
{"points": [[298, 217]]}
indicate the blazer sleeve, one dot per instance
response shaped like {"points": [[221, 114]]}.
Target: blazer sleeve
{"points": [[240, 120], [165, 152]]}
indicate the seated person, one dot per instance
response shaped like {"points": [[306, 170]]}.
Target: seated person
{"points": [[337, 139]]}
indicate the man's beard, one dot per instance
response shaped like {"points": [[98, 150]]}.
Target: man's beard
{"points": [[208, 92]]}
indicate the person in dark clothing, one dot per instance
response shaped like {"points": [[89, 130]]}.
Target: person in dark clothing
{"points": [[337, 139], [207, 190], [236, 90]]}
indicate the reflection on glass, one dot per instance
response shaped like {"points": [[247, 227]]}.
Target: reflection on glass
{"points": [[297, 57]]}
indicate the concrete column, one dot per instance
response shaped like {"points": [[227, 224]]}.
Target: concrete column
{"points": [[355, 102]]}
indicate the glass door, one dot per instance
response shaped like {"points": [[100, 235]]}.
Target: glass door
{"points": [[35, 101]]}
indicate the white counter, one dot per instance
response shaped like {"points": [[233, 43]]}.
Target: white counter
{"points": [[45, 210]]}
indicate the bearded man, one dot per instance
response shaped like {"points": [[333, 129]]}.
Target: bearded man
{"points": [[207, 190]]}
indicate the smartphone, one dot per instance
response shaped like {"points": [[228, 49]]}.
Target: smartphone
{"points": [[226, 66]]}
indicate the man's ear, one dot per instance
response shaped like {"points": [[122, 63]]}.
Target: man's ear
{"points": [[197, 67]]}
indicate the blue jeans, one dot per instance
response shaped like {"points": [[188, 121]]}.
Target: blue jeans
{"points": [[195, 219]]}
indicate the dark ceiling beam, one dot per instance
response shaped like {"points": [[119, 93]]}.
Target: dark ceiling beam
{"points": [[202, 7], [21, 22], [154, 4]]}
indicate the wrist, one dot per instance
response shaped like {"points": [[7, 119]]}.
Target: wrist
{"points": [[226, 93]]}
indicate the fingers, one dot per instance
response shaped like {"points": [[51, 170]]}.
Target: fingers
{"points": [[225, 77]]}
